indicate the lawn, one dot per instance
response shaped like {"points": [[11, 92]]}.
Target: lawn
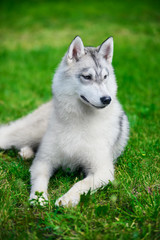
{"points": [[34, 36]]}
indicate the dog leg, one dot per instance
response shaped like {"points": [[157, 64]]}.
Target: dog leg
{"points": [[92, 182], [44, 163], [41, 172]]}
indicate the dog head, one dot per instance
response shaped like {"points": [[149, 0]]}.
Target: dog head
{"points": [[86, 73]]}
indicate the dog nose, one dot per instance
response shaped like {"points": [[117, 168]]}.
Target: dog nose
{"points": [[105, 100]]}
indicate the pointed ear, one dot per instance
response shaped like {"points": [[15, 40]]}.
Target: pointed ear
{"points": [[106, 49], [76, 50]]}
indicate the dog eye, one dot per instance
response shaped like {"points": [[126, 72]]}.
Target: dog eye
{"points": [[105, 76], [88, 77]]}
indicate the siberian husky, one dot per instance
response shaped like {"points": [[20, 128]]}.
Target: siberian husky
{"points": [[84, 124]]}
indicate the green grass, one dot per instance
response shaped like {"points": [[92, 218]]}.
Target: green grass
{"points": [[34, 35]]}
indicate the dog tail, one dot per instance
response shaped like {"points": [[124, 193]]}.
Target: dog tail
{"points": [[27, 131]]}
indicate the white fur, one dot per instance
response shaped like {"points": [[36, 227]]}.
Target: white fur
{"points": [[78, 133], [27, 131], [26, 152]]}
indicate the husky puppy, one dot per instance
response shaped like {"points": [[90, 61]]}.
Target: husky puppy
{"points": [[84, 125]]}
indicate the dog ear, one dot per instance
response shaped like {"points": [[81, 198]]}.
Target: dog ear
{"points": [[76, 50], [106, 49]]}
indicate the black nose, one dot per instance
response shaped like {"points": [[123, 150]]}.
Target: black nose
{"points": [[105, 100]]}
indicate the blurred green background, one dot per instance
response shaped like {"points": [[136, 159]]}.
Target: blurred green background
{"points": [[34, 35]]}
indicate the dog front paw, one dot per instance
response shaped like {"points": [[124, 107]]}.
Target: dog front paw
{"points": [[68, 200], [38, 198]]}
